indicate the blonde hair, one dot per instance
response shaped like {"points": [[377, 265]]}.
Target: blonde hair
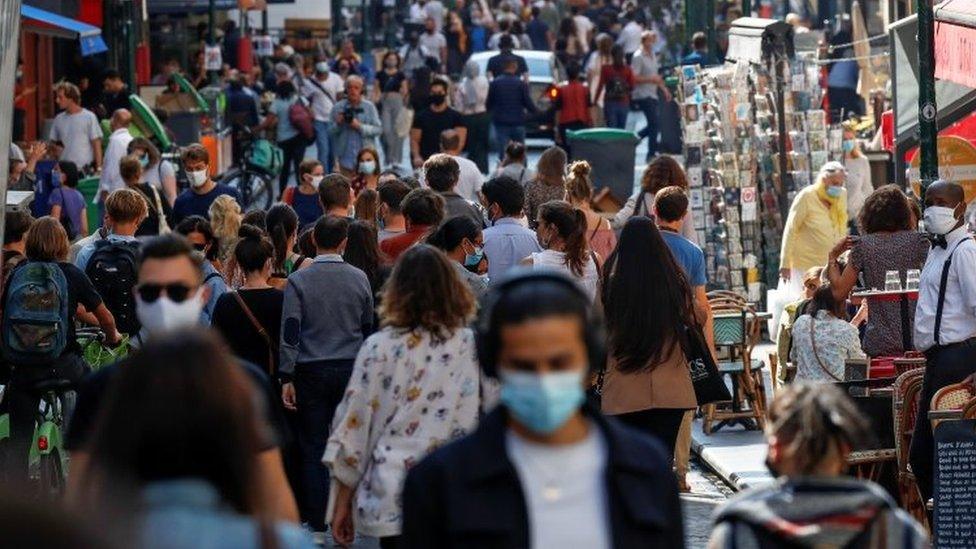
{"points": [[579, 187], [225, 218], [126, 206], [849, 128]]}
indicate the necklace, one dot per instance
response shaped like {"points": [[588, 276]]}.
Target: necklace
{"points": [[551, 490]]}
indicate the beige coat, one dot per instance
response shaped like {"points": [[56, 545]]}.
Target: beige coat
{"points": [[667, 386]]}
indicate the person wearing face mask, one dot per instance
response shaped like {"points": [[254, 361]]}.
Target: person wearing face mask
{"points": [[304, 197], [170, 295], [367, 171], [425, 134], [156, 171], [858, 182], [67, 203], [203, 190], [355, 125], [464, 245], [817, 220], [201, 236], [390, 93], [543, 469], [390, 217], [323, 90], [810, 432], [945, 316], [508, 240]]}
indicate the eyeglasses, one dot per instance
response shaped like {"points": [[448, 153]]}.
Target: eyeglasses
{"points": [[177, 292]]}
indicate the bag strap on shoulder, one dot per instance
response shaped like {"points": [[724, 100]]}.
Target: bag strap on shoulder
{"points": [[816, 354], [943, 282], [260, 329]]}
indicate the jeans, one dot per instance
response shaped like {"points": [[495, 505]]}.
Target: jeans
{"points": [[479, 136], [319, 387], [294, 153], [323, 145], [649, 106], [505, 133], [391, 104], [946, 366], [22, 401], [616, 114]]}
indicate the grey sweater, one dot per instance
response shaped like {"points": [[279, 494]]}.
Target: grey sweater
{"points": [[327, 313]]}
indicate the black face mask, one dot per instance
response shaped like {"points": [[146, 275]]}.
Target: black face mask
{"points": [[437, 100]]}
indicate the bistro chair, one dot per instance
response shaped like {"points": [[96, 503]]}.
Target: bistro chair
{"points": [[907, 393], [949, 401], [736, 328], [969, 412]]}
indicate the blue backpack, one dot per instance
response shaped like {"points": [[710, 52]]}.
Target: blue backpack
{"points": [[35, 314]]}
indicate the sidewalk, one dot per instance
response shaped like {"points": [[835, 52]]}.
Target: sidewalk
{"points": [[736, 455]]}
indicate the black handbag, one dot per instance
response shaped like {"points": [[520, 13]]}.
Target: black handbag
{"points": [[705, 377]]}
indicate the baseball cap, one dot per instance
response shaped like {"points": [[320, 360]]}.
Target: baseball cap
{"points": [[322, 67], [833, 167], [16, 154]]}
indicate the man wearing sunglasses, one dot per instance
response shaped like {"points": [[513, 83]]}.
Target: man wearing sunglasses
{"points": [[170, 295]]}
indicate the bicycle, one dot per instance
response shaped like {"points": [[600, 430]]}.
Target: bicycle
{"points": [[255, 171]]}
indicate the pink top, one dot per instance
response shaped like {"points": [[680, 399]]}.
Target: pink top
{"points": [[603, 240]]}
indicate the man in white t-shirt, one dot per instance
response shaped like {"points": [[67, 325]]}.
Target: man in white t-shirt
{"points": [[323, 90], [433, 40], [584, 27], [630, 36], [76, 129], [118, 147], [470, 178]]}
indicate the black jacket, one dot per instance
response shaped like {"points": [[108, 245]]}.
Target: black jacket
{"points": [[468, 495]]}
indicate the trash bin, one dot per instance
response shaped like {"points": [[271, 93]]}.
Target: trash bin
{"points": [[611, 154], [88, 187]]}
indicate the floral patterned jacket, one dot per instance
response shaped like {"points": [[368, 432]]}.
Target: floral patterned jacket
{"points": [[408, 395]]}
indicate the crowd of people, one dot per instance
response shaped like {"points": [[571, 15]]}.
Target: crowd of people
{"points": [[446, 359]]}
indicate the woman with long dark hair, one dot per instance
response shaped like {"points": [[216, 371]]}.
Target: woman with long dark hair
{"points": [[562, 234], [461, 239], [363, 252], [282, 224], [191, 468], [648, 305]]}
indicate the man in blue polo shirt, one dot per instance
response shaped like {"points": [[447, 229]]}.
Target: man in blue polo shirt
{"points": [[670, 207], [203, 190]]}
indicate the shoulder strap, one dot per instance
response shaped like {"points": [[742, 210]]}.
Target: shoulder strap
{"points": [[943, 282], [260, 329], [321, 87], [211, 276], [816, 355]]}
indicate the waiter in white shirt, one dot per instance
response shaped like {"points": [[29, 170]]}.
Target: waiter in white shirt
{"points": [[945, 318]]}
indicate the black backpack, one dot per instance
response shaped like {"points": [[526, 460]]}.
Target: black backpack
{"points": [[113, 270], [617, 88]]}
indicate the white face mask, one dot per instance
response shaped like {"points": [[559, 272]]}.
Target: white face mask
{"points": [[939, 219], [164, 314], [317, 180], [198, 178]]}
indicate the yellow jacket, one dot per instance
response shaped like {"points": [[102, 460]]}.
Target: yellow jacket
{"points": [[809, 233]]}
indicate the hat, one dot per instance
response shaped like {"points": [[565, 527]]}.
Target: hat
{"points": [[16, 154], [833, 167], [322, 67]]}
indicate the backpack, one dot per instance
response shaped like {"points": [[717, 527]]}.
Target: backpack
{"points": [[113, 270], [617, 88], [302, 119], [35, 314]]}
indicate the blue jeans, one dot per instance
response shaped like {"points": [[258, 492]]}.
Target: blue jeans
{"points": [[649, 106], [323, 145], [616, 114], [319, 387], [504, 133]]}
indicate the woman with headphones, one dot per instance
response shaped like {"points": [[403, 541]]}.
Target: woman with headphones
{"points": [[544, 469]]}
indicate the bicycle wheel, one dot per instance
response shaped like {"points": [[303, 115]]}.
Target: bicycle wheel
{"points": [[52, 479], [256, 190]]}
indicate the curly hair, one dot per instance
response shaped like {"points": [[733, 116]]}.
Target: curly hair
{"points": [[885, 210], [663, 171], [424, 292]]}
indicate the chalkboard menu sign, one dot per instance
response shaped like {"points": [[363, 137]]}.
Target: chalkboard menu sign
{"points": [[955, 484]]}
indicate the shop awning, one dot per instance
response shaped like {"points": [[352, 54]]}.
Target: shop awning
{"points": [[955, 41], [45, 22]]}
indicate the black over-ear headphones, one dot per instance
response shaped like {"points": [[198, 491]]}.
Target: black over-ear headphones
{"points": [[487, 338]]}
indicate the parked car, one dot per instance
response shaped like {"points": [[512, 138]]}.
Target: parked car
{"points": [[545, 73]]}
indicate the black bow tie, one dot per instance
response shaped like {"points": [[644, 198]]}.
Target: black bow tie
{"points": [[938, 240]]}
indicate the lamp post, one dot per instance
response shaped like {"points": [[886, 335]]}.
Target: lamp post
{"points": [[928, 131], [212, 35]]}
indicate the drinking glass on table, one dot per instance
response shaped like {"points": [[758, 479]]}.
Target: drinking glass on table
{"points": [[892, 281], [911, 279]]}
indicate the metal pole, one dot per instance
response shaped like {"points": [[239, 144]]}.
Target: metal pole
{"points": [[746, 9], [781, 67], [928, 131], [212, 35], [9, 41], [712, 57]]}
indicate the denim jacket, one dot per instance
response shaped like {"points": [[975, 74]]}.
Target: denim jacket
{"points": [[189, 513]]}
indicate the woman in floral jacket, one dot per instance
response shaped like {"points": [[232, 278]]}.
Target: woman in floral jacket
{"points": [[414, 387]]}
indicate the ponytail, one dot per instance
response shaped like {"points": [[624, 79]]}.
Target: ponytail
{"points": [[570, 224], [282, 222]]}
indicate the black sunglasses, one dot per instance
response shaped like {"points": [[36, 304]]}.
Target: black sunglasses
{"points": [[177, 292]]}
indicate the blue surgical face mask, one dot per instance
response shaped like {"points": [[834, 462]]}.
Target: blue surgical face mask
{"points": [[144, 161], [835, 192], [542, 402], [473, 259], [848, 145]]}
